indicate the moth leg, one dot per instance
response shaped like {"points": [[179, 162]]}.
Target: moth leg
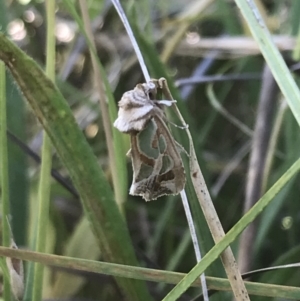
{"points": [[181, 149], [167, 103], [163, 85], [186, 126], [128, 154]]}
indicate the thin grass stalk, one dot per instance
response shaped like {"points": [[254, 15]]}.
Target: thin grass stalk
{"points": [[213, 221], [278, 123], [95, 192], [120, 187], [257, 160], [182, 194], [276, 130], [271, 54], [106, 268], [135, 45], [132, 38], [296, 52], [277, 127], [273, 142], [103, 104], [230, 236], [45, 178], [231, 118], [234, 162], [196, 246], [193, 14], [4, 184], [263, 13], [188, 213]]}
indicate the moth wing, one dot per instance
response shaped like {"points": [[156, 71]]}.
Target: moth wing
{"points": [[133, 119], [157, 165], [172, 177]]}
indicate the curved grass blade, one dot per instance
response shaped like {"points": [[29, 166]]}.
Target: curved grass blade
{"points": [[262, 289], [271, 54], [46, 163], [4, 185], [158, 69], [215, 252], [119, 157], [96, 195]]}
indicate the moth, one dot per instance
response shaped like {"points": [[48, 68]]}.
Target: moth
{"points": [[157, 166]]}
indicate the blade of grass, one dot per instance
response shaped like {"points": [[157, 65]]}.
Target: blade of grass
{"points": [[212, 219], [107, 123], [120, 180], [295, 21], [4, 180], [136, 47], [18, 198], [257, 164], [158, 69], [106, 268], [226, 87], [97, 198], [269, 216], [193, 12], [271, 54], [196, 245], [46, 163], [213, 254], [219, 108], [185, 203]]}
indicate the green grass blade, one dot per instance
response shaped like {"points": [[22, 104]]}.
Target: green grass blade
{"points": [[120, 179], [215, 252], [17, 163], [267, 290], [158, 69], [97, 198], [272, 56], [4, 184], [46, 164]]}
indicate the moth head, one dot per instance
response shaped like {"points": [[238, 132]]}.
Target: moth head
{"points": [[137, 107], [149, 90]]}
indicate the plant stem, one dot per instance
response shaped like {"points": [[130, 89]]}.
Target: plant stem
{"points": [[271, 54], [211, 216], [4, 180], [136, 47], [45, 180], [103, 104], [196, 246]]}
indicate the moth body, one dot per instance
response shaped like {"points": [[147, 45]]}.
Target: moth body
{"points": [[157, 165]]}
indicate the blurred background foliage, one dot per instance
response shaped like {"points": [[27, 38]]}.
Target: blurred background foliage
{"points": [[217, 67]]}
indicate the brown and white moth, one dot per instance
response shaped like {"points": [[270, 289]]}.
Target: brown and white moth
{"points": [[157, 165]]}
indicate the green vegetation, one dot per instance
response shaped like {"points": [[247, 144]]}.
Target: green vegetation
{"points": [[90, 239]]}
